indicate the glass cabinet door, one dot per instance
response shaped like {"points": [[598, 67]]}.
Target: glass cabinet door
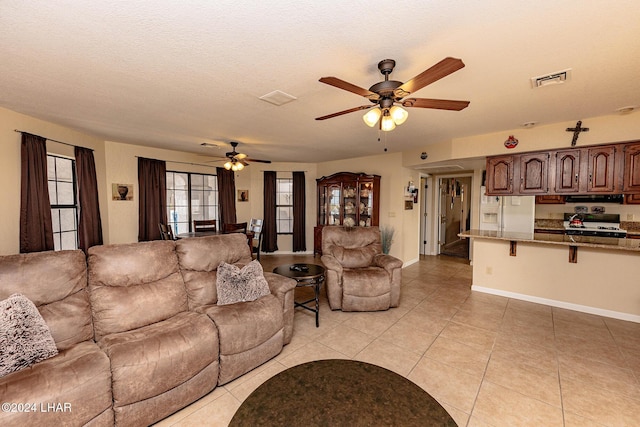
{"points": [[350, 204], [365, 204], [334, 195], [322, 206]]}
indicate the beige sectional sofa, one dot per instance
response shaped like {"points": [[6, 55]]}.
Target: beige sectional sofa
{"points": [[138, 330]]}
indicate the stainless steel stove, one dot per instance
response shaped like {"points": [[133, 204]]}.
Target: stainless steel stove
{"points": [[601, 225]]}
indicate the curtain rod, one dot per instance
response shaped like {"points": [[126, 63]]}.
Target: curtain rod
{"points": [[53, 140], [175, 161]]}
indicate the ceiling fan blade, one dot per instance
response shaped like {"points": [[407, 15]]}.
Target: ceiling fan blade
{"points": [[256, 160], [441, 69], [440, 104], [350, 110], [341, 84], [240, 156]]}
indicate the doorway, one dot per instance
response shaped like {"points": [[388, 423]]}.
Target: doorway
{"points": [[454, 215]]}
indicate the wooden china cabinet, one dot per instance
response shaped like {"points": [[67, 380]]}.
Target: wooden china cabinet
{"points": [[349, 199]]}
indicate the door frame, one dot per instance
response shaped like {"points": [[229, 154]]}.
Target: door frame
{"points": [[426, 202], [435, 207]]}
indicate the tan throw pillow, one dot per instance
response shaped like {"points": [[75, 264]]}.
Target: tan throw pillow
{"points": [[25, 338], [240, 285]]}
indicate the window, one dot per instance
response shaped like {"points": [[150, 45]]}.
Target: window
{"points": [[64, 201], [284, 205], [190, 196]]}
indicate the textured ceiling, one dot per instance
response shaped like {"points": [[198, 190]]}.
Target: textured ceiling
{"points": [[174, 74]]}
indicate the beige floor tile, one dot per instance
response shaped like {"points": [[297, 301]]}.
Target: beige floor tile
{"points": [[389, 356], [538, 335], [600, 405], [406, 336], [309, 353], [458, 355], [608, 377], [530, 307], [488, 318], [500, 406], [573, 420], [242, 391], [577, 317], [479, 338], [523, 351], [185, 412], [605, 352], [448, 385], [461, 418], [217, 413], [375, 323], [346, 340], [525, 379], [599, 333]]}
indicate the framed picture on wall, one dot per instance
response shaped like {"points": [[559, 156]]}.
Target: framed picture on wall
{"points": [[122, 192], [243, 195]]}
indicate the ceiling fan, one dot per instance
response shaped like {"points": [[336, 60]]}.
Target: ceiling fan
{"points": [[237, 161], [388, 96]]}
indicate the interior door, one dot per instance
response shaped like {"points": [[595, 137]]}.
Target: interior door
{"points": [[444, 201]]}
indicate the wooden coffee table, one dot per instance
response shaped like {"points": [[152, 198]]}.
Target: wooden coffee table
{"points": [[305, 275]]}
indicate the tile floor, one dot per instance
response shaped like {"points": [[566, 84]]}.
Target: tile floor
{"points": [[489, 360]]}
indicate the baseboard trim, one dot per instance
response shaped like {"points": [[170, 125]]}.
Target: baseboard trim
{"points": [[560, 304], [286, 253], [410, 262]]}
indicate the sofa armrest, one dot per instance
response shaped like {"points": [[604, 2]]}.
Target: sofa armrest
{"points": [[331, 263], [279, 285], [388, 262]]}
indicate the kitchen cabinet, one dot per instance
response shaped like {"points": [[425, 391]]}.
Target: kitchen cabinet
{"points": [[550, 199], [631, 179], [632, 199], [349, 199], [534, 172], [567, 171], [499, 178], [601, 169]]}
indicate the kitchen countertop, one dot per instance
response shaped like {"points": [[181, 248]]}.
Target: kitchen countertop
{"points": [[557, 239]]}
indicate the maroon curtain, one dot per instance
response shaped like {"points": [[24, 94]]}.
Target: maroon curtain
{"points": [[299, 202], [152, 183], [36, 230], [226, 197], [90, 225], [269, 230]]}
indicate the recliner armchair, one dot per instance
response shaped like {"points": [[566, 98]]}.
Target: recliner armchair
{"points": [[359, 277]]}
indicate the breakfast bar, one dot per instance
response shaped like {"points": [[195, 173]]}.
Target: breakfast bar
{"points": [[545, 268]]}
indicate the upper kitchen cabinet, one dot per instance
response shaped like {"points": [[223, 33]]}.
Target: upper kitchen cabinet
{"points": [[631, 180], [601, 169], [500, 170], [534, 173], [567, 173]]}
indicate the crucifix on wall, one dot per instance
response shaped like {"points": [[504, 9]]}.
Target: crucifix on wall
{"points": [[576, 132]]}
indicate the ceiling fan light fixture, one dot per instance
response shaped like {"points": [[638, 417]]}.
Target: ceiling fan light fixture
{"points": [[398, 115], [386, 123], [239, 166], [228, 165], [372, 116]]}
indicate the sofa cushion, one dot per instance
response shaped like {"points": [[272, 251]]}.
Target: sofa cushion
{"points": [[79, 377], [366, 282], [244, 284], [56, 283], [199, 259], [153, 359], [134, 285], [25, 338], [354, 257], [246, 325]]}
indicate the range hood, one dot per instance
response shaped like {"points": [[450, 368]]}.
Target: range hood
{"points": [[595, 198]]}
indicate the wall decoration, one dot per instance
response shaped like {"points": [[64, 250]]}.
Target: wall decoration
{"points": [[243, 195], [122, 192], [408, 205], [511, 142]]}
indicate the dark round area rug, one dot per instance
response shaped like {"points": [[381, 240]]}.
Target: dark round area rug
{"points": [[339, 392]]}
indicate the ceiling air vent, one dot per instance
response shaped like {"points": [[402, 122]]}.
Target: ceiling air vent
{"points": [[551, 79]]}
